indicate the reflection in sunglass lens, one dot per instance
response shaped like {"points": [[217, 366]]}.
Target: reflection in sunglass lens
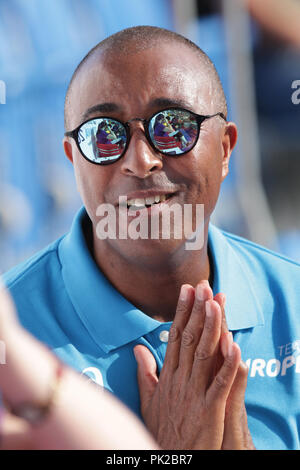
{"points": [[174, 131], [102, 140]]}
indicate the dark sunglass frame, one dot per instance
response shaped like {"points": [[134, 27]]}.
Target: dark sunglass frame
{"points": [[146, 123]]}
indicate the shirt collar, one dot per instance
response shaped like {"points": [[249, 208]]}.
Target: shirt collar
{"points": [[112, 321], [232, 276]]}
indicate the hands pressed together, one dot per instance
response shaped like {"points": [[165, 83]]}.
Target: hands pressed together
{"points": [[196, 403], [198, 400]]}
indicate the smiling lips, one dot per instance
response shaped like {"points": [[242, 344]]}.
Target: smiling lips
{"points": [[146, 202], [145, 199]]}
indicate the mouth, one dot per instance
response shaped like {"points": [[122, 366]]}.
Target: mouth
{"points": [[145, 200]]}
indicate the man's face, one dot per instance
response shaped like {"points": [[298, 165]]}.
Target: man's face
{"points": [[137, 86]]}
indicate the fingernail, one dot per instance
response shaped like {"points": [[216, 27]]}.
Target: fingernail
{"points": [[231, 348], [184, 293], [200, 292], [227, 343]]}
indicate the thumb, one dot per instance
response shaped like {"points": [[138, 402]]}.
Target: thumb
{"points": [[146, 375]]}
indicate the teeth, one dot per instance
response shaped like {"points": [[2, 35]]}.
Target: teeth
{"points": [[141, 202], [150, 200], [136, 202]]}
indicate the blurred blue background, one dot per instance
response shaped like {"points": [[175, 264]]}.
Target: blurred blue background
{"points": [[41, 43]]}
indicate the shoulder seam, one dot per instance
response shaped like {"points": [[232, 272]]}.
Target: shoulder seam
{"points": [[34, 263], [258, 247]]}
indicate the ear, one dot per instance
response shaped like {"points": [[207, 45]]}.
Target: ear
{"points": [[229, 140], [68, 149]]}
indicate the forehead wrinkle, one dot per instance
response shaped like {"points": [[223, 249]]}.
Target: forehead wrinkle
{"points": [[140, 39], [189, 83], [193, 84], [88, 78], [101, 108], [164, 102]]}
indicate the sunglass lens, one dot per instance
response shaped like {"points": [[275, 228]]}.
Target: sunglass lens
{"points": [[102, 140], [174, 131]]}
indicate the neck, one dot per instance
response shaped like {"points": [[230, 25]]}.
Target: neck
{"points": [[153, 284]]}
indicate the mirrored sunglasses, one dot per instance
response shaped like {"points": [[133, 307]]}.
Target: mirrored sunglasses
{"points": [[173, 132]]}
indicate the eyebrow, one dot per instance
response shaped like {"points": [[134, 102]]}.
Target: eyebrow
{"points": [[101, 108], [108, 107]]}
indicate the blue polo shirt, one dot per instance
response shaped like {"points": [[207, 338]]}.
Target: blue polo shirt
{"points": [[65, 301]]}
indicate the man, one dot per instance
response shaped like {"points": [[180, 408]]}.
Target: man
{"points": [[97, 301]]}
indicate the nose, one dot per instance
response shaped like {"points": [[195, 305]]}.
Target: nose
{"points": [[140, 159]]}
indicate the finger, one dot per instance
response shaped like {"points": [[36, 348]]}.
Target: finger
{"points": [[225, 342], [194, 327], [221, 299], [219, 390], [146, 374], [236, 400], [237, 392], [183, 311], [205, 356]]}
